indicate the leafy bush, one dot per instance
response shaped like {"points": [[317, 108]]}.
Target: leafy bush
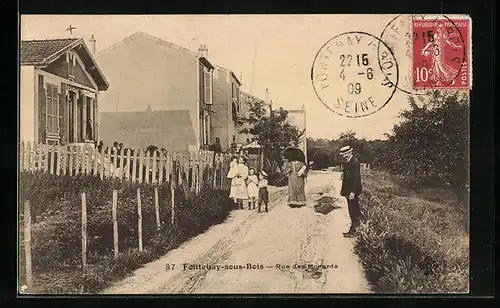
{"points": [[408, 244], [56, 227]]}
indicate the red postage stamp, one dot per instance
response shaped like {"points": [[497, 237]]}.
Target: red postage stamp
{"points": [[441, 54]]}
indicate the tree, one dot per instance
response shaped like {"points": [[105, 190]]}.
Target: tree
{"points": [[273, 132], [431, 143]]}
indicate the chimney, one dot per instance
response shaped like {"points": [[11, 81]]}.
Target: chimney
{"points": [[92, 43], [203, 51]]}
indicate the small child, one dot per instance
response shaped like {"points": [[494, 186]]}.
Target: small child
{"points": [[263, 194], [253, 190]]}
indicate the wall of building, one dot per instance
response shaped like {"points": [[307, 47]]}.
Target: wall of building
{"points": [[221, 107], [60, 68], [146, 72], [27, 106]]}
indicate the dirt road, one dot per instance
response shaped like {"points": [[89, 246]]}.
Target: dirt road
{"points": [[282, 238]]}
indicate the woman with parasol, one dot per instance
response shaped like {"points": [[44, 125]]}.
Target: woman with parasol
{"points": [[295, 168]]}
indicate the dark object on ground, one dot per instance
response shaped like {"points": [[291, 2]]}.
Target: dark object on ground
{"points": [[325, 205]]}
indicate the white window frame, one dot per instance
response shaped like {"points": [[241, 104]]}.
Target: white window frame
{"points": [[51, 100]]}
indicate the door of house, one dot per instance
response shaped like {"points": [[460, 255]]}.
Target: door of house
{"points": [[71, 116]]}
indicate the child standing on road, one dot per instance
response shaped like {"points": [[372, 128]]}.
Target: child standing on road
{"points": [[263, 193], [253, 190]]}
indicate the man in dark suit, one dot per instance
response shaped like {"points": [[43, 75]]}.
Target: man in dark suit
{"points": [[351, 187]]}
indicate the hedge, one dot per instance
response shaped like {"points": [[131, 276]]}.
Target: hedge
{"points": [[409, 244]]}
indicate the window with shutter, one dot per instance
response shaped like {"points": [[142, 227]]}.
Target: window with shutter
{"points": [[52, 110], [208, 87]]}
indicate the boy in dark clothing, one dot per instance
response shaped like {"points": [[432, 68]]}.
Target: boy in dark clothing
{"points": [[263, 193]]}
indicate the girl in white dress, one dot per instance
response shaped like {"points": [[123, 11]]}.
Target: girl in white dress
{"points": [[233, 171], [252, 188], [240, 182]]}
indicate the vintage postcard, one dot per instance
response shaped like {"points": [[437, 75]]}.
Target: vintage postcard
{"points": [[244, 154]]}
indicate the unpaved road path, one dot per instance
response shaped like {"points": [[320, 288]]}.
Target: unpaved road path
{"points": [[284, 236]]}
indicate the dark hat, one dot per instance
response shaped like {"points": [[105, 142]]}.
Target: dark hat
{"points": [[345, 150]]}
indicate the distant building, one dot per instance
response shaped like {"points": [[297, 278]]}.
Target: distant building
{"points": [[226, 106], [162, 94], [298, 118], [60, 83]]}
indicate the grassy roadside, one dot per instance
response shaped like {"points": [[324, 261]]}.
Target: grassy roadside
{"points": [[412, 241], [56, 229]]}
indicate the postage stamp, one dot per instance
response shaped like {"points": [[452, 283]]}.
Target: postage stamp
{"points": [[441, 53], [351, 72]]}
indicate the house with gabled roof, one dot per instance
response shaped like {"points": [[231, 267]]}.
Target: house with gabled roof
{"points": [[60, 83], [165, 89]]}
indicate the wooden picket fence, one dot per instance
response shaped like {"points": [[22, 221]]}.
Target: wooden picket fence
{"points": [[134, 165]]}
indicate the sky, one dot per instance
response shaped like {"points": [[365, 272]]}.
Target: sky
{"points": [[265, 51]]}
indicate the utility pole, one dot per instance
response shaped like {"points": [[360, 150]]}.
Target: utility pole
{"points": [[253, 67]]}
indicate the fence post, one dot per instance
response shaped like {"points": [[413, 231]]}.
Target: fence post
{"points": [[71, 160], [139, 218], [127, 170], [115, 163], [115, 223], [90, 159], [160, 169], [58, 160], [28, 157], [101, 167], [94, 165], [84, 231], [109, 172], [153, 176], [148, 163], [27, 242], [77, 160], [141, 166], [121, 171], [157, 209], [134, 167], [45, 150]]}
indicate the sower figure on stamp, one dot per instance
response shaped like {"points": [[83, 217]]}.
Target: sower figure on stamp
{"points": [[351, 187]]}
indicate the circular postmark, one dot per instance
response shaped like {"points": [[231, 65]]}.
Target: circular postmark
{"points": [[431, 51], [348, 77], [397, 36]]}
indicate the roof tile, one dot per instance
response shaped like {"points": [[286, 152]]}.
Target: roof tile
{"points": [[35, 51]]}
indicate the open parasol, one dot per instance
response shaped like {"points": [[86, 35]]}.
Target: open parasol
{"points": [[294, 154]]}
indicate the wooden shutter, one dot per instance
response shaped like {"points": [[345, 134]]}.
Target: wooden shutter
{"points": [[84, 117], [202, 84], [208, 87], [63, 115], [96, 120], [42, 111]]}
